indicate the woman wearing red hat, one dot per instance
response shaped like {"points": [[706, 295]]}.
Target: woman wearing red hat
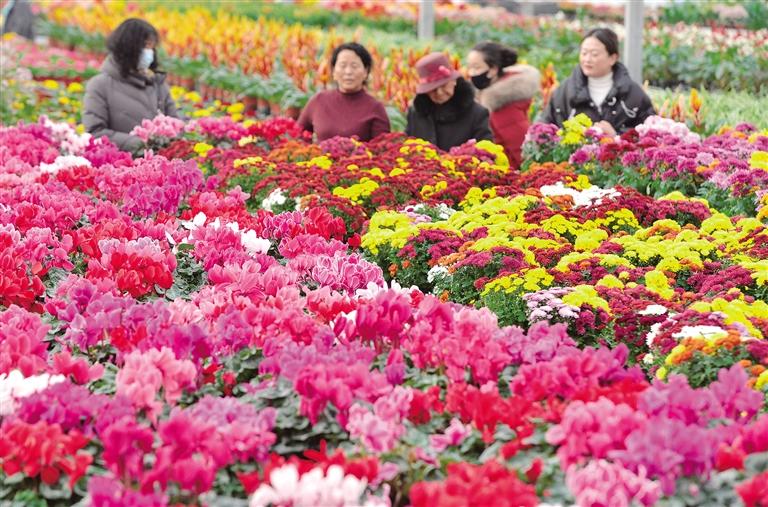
{"points": [[444, 111], [506, 89]]}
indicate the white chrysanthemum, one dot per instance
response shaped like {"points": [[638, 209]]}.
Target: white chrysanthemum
{"points": [[700, 332], [653, 310], [275, 198], [436, 272], [587, 197]]}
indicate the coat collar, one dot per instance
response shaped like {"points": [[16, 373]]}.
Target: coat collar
{"points": [[462, 100], [519, 82], [111, 68], [622, 84]]}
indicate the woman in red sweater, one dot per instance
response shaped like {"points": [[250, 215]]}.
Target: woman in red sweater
{"points": [[506, 89], [347, 110]]}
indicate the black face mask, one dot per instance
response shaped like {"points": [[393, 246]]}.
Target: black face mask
{"points": [[481, 81]]}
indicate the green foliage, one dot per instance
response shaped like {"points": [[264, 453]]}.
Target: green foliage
{"points": [[719, 108], [510, 309], [702, 369], [188, 277]]}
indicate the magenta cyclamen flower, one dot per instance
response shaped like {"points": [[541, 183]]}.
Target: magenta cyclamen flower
{"points": [[593, 430], [150, 185], [217, 127], [110, 492], [604, 483], [569, 373], [144, 373], [380, 429], [542, 343], [454, 435], [126, 443], [161, 126], [190, 454], [22, 345], [243, 429], [459, 338]]}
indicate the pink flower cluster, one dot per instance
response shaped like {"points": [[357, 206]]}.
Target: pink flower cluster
{"points": [[22, 342], [604, 483], [161, 126], [145, 373], [380, 429], [152, 184], [217, 128], [136, 266], [645, 439]]}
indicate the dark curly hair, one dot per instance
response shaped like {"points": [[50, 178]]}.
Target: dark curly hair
{"points": [[127, 41]]}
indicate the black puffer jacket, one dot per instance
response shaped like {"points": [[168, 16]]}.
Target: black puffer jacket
{"points": [[625, 106], [450, 124]]}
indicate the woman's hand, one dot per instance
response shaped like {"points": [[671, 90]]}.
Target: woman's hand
{"points": [[606, 127]]}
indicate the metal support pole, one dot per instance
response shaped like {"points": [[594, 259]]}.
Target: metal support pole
{"points": [[426, 19], [633, 44]]}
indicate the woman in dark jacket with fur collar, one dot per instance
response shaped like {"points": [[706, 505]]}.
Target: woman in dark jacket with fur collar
{"points": [[444, 111], [601, 88], [506, 89]]}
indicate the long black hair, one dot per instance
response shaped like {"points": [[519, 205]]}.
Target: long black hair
{"points": [[496, 55], [127, 41]]}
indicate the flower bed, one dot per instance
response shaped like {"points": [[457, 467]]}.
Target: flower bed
{"points": [[172, 347], [660, 156]]}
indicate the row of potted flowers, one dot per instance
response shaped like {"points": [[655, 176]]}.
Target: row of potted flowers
{"points": [[729, 169], [286, 63]]}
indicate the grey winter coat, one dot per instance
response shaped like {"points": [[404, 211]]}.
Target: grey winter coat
{"points": [[626, 105], [115, 104]]}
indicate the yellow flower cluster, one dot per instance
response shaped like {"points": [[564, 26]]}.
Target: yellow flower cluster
{"points": [[586, 295], [428, 191], [388, 228], [322, 162], [419, 146], [573, 130], [759, 160], [528, 280], [502, 161], [202, 149], [357, 192]]}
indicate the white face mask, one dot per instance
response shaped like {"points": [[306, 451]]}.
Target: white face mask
{"points": [[146, 58]]}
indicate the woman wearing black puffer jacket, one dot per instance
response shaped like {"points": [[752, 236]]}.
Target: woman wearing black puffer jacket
{"points": [[444, 111], [601, 88]]}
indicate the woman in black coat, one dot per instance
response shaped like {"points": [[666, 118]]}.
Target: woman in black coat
{"points": [[601, 88], [444, 111]]}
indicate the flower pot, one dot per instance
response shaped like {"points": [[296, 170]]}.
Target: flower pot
{"points": [[274, 109]]}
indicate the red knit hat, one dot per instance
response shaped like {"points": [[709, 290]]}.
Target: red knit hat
{"points": [[434, 71]]}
